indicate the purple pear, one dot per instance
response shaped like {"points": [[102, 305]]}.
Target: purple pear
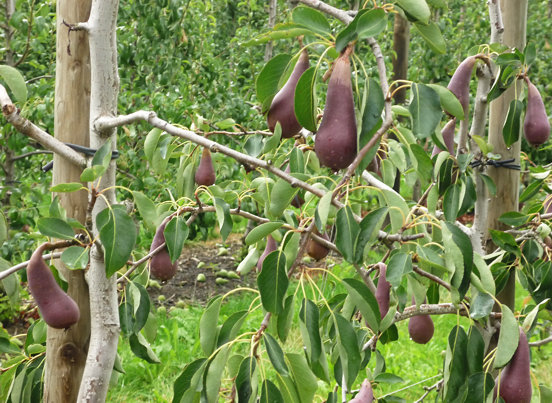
{"points": [[271, 246], [161, 266], [421, 328], [515, 379], [205, 174], [459, 83], [536, 125], [58, 309], [336, 140], [448, 137], [382, 290], [365, 394], [282, 108]]}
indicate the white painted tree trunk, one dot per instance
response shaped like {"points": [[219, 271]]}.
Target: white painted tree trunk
{"points": [[104, 89]]}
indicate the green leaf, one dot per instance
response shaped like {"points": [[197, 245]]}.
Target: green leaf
{"points": [[208, 325], [459, 250], [150, 143], [141, 305], [90, 174], [369, 229], [508, 338], [349, 33], [365, 301], [433, 36], [304, 379], [349, 352], [452, 201], [142, 349], [246, 380], [371, 23], [455, 371], [75, 257], [514, 218], [224, 218], [261, 231], [305, 100], [267, 81], [15, 81], [530, 191], [273, 141], [188, 379], [215, 370], [417, 9], [176, 232], [66, 187], [273, 282], [254, 145], [389, 378], [425, 109], [448, 101], [475, 352], [3, 228], [532, 316], [371, 120], [147, 209], [102, 156], [312, 19], [347, 233], [489, 183], [275, 354], [421, 160], [280, 31], [505, 241], [55, 228], [270, 393], [512, 125], [399, 265], [280, 197], [310, 329], [480, 385], [322, 211], [231, 327], [118, 235], [285, 318]]}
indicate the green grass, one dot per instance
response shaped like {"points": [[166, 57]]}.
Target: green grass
{"points": [[177, 344]]}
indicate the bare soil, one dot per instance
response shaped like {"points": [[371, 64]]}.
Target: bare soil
{"points": [[208, 258]]}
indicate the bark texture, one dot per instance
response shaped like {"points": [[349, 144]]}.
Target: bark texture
{"points": [[67, 349]]}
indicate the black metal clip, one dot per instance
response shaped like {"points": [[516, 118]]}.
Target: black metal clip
{"points": [[83, 150], [497, 164]]}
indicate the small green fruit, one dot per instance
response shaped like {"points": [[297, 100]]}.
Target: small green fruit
{"points": [[201, 278], [221, 281]]}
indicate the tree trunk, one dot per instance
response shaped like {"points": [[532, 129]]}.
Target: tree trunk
{"points": [[272, 10], [401, 40], [104, 89], [514, 15], [67, 349]]}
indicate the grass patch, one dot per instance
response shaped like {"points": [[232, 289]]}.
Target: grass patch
{"points": [[177, 343]]}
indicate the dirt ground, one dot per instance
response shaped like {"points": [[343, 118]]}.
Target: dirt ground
{"points": [[208, 258]]}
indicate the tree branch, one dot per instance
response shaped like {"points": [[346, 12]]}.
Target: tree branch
{"points": [[541, 342], [22, 265], [22, 156], [27, 128]]}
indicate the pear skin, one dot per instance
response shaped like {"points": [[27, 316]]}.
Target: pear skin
{"points": [[536, 125], [161, 266], [459, 83], [382, 290], [282, 108], [205, 174], [271, 246], [57, 308], [335, 143], [515, 378]]}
